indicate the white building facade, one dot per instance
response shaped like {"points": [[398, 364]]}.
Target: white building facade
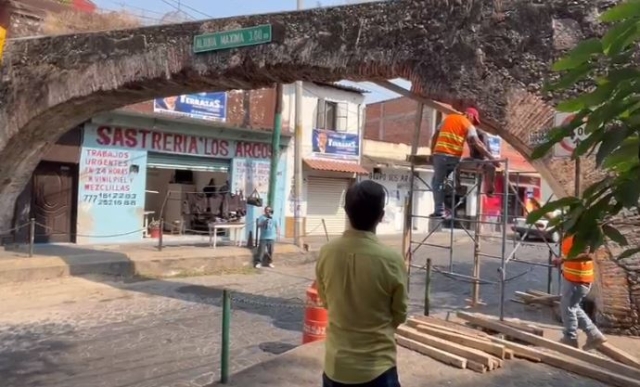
{"points": [[333, 118]]}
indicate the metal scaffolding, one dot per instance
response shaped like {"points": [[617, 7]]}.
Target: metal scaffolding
{"points": [[510, 190]]}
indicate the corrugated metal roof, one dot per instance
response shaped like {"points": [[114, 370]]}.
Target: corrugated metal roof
{"points": [[343, 87], [335, 166]]}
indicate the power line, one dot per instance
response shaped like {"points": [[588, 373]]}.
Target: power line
{"points": [[124, 5], [178, 7], [181, 4]]}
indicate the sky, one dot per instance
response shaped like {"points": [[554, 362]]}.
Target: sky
{"points": [[152, 11]]}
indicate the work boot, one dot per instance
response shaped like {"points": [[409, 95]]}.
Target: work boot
{"points": [[594, 342], [570, 342]]}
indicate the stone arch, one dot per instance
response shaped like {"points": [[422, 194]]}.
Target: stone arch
{"points": [[493, 54]]}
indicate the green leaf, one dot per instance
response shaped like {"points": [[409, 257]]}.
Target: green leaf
{"points": [[615, 235], [628, 9], [579, 246], [629, 252], [534, 216], [572, 105], [628, 192], [616, 35], [588, 142], [611, 142], [570, 78], [599, 95], [623, 41], [579, 55], [628, 150], [595, 190]]}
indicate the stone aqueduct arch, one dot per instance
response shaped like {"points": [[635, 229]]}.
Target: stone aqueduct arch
{"points": [[494, 54]]}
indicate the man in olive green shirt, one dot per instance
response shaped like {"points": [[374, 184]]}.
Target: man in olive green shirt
{"points": [[363, 285]]}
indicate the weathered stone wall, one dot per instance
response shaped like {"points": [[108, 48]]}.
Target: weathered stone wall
{"points": [[494, 54]]}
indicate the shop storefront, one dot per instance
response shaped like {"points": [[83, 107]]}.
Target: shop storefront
{"points": [[130, 177], [332, 168], [396, 181], [527, 186]]}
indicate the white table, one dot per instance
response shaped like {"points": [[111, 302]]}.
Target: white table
{"points": [[236, 228]]}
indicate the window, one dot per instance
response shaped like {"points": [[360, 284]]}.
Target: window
{"points": [[331, 115]]}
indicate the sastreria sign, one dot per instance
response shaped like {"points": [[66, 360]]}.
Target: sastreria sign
{"points": [[176, 143]]}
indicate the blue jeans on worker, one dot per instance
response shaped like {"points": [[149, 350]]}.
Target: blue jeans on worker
{"points": [[387, 379], [443, 166], [265, 252], [573, 317]]}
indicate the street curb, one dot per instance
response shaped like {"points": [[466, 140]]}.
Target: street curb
{"points": [[126, 268]]}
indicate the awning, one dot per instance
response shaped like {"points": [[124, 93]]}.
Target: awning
{"points": [[188, 163], [335, 166]]}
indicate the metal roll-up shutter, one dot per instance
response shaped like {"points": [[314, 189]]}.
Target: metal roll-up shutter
{"points": [[325, 200], [188, 163]]}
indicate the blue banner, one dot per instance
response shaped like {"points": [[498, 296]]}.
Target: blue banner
{"points": [[495, 144], [205, 106], [330, 143]]}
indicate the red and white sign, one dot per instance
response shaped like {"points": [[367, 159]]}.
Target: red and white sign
{"points": [[566, 147], [165, 142]]}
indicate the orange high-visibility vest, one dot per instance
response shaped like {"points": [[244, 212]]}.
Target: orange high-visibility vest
{"points": [[452, 136], [576, 271]]}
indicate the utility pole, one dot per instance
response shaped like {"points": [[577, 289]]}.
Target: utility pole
{"points": [[275, 146], [297, 164]]}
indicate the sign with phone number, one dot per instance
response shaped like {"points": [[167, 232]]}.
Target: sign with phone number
{"points": [[111, 199]]}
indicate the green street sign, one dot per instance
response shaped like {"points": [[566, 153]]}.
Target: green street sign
{"points": [[244, 37]]}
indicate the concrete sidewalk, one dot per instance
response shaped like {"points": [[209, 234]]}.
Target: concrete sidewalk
{"points": [[145, 261]]}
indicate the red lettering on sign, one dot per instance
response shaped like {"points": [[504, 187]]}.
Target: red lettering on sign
{"points": [[177, 145], [224, 148], [144, 134], [193, 145], [103, 133], [118, 137], [167, 142], [155, 140], [130, 138]]}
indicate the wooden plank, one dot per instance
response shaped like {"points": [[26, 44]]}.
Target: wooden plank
{"points": [[459, 350], [434, 353], [594, 360], [619, 355], [571, 365], [538, 293], [449, 326], [518, 324], [519, 351], [479, 344], [508, 354], [477, 367]]}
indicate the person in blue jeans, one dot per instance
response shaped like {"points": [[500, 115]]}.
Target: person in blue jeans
{"points": [[268, 234]]}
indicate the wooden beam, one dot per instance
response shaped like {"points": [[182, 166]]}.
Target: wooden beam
{"points": [[446, 325], [619, 355], [434, 353], [579, 354], [479, 344], [459, 350], [428, 102], [416, 97]]}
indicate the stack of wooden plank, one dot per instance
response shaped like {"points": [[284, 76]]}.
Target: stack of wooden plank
{"points": [[456, 346], [468, 348]]}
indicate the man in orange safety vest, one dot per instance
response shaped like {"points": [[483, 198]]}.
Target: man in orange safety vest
{"points": [[577, 279], [447, 145]]}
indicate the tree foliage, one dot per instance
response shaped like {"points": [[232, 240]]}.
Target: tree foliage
{"points": [[609, 111]]}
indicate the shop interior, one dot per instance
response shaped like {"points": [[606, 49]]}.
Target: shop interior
{"points": [[183, 195]]}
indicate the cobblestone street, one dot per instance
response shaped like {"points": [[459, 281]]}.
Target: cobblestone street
{"points": [[76, 332]]}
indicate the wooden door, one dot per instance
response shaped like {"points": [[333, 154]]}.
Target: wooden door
{"points": [[52, 202]]}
